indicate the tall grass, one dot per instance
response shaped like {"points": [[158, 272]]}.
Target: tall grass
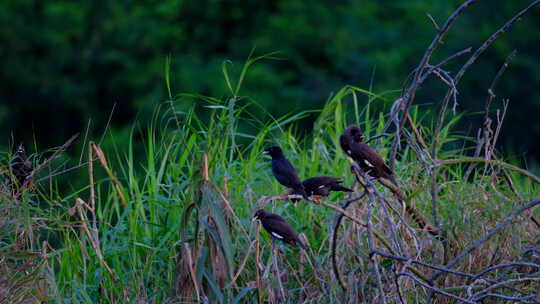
{"points": [[176, 227]]}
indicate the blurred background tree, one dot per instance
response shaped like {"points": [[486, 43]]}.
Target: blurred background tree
{"points": [[67, 62]]}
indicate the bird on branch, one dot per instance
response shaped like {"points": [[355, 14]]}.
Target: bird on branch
{"points": [[321, 186], [278, 228], [284, 171], [351, 141]]}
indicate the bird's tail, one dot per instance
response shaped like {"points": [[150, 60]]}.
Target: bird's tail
{"points": [[301, 191], [295, 192], [341, 188]]}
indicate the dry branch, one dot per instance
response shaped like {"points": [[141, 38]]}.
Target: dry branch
{"points": [[407, 99], [335, 231], [417, 217]]}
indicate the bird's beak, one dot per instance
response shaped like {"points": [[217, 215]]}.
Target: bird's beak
{"points": [[254, 219], [265, 152]]}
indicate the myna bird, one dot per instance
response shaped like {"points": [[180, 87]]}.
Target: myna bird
{"points": [[351, 141], [321, 186], [21, 167], [284, 171], [278, 228], [347, 136]]}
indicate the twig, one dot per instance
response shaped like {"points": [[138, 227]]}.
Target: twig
{"points": [[473, 58], [282, 197], [434, 289], [276, 270], [49, 176], [501, 284], [408, 97], [509, 298], [335, 231], [487, 121], [413, 213], [411, 261], [377, 136], [371, 246], [434, 23], [396, 282], [436, 67], [431, 48], [492, 38], [514, 264], [258, 263]]}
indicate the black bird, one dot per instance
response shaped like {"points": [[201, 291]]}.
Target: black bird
{"points": [[347, 136], [321, 186], [284, 171], [351, 141], [278, 228], [21, 167], [369, 160]]}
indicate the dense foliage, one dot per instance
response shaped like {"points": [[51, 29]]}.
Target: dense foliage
{"points": [[67, 62], [180, 229], [160, 211]]}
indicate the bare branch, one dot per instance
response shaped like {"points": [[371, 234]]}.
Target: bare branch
{"points": [[434, 22], [434, 289], [476, 297], [335, 231], [492, 38], [408, 97]]}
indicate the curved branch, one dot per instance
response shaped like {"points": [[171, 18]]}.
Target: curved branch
{"points": [[333, 249]]}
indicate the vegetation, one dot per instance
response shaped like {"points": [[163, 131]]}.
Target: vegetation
{"points": [[177, 226]]}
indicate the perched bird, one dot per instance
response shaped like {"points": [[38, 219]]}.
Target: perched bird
{"points": [[351, 141], [21, 167], [369, 160], [278, 228], [284, 171], [321, 186], [347, 136]]}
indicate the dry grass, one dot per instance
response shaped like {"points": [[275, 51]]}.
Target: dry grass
{"points": [[174, 225]]}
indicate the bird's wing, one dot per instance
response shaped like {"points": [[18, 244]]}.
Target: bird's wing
{"points": [[320, 180], [285, 173], [319, 185], [374, 159], [344, 143], [278, 227]]}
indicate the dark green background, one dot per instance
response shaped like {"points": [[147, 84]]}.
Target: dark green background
{"points": [[66, 62]]}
